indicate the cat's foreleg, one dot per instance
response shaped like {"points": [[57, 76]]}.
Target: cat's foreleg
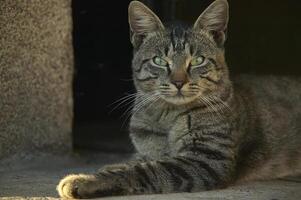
{"points": [[186, 173]]}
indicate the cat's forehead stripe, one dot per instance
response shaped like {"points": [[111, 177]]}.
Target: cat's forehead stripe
{"points": [[178, 38]]}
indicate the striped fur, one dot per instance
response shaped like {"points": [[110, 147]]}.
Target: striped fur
{"points": [[217, 132]]}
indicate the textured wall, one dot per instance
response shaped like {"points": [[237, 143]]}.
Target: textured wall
{"points": [[36, 67]]}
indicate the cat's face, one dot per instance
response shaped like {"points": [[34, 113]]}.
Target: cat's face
{"points": [[179, 64]]}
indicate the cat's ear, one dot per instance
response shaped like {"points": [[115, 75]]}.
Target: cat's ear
{"points": [[215, 20], [142, 22]]}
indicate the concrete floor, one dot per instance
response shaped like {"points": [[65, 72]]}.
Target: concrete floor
{"points": [[35, 177]]}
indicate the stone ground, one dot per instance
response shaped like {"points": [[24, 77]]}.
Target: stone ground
{"points": [[35, 177]]}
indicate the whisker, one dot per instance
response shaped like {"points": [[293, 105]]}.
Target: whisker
{"points": [[122, 98], [215, 98], [212, 108], [138, 105], [212, 117], [224, 104], [124, 101]]}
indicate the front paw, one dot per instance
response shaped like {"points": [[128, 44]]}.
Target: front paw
{"points": [[77, 186], [92, 186]]}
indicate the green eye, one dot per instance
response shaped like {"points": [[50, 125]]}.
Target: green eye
{"points": [[197, 61], [160, 61]]}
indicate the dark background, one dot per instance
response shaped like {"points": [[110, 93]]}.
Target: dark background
{"points": [[263, 38]]}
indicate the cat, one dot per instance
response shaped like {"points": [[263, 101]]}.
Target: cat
{"points": [[194, 126]]}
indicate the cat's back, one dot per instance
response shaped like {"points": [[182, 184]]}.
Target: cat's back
{"points": [[283, 91], [274, 101], [273, 104]]}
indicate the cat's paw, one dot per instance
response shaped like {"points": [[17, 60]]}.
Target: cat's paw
{"points": [[77, 186]]}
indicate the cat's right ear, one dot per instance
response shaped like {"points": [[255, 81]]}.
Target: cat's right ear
{"points": [[142, 22]]}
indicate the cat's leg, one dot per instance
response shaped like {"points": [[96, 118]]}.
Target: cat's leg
{"points": [[192, 170], [71, 184], [134, 159]]}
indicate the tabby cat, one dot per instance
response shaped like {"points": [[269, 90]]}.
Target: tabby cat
{"points": [[193, 126]]}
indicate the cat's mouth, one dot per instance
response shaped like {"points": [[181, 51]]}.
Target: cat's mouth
{"points": [[179, 98], [179, 94]]}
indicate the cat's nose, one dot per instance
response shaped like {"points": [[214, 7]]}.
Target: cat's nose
{"points": [[179, 78], [178, 84]]}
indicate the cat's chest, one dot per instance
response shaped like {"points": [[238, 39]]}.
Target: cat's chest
{"points": [[151, 135], [162, 120]]}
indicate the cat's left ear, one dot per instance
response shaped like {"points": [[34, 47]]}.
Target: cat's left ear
{"points": [[142, 22], [215, 20]]}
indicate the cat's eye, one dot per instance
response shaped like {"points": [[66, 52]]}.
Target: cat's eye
{"points": [[197, 61], [160, 61]]}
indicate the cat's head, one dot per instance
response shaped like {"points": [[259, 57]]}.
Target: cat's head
{"points": [[177, 63]]}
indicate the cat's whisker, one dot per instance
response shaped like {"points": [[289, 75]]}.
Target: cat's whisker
{"points": [[122, 98], [138, 105], [135, 109], [212, 107], [137, 101], [226, 106], [217, 99], [151, 100], [217, 108], [146, 100], [216, 104], [124, 101], [212, 117], [127, 112], [123, 104]]}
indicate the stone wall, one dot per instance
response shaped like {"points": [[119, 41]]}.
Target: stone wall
{"points": [[36, 70]]}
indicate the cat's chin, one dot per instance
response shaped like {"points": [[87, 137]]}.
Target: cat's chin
{"points": [[179, 100]]}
